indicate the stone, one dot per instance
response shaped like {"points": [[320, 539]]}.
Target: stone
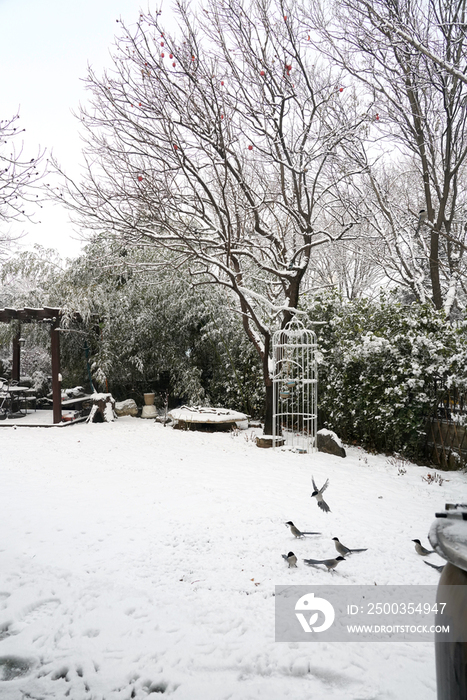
{"points": [[126, 408], [327, 441]]}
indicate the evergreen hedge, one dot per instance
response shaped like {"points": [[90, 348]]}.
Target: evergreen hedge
{"points": [[383, 366]]}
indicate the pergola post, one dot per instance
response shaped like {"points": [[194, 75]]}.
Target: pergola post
{"points": [[15, 370], [56, 383]]}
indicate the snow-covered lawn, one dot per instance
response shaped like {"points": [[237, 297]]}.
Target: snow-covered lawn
{"points": [[136, 559]]}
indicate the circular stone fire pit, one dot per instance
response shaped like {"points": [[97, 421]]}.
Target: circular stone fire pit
{"points": [[199, 417]]}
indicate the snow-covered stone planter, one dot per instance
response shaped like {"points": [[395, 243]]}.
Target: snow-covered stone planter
{"points": [[190, 417], [327, 441], [149, 410]]}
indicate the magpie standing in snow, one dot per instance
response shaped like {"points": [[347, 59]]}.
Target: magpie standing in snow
{"points": [[343, 550], [318, 494], [421, 550], [291, 559], [298, 533], [330, 564]]}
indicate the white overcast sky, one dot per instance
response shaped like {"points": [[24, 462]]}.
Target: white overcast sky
{"points": [[45, 47]]}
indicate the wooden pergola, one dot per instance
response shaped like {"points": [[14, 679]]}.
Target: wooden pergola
{"points": [[50, 316]]}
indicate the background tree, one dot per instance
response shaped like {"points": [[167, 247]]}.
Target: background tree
{"points": [[352, 267], [402, 28], [418, 131], [19, 179], [226, 144]]}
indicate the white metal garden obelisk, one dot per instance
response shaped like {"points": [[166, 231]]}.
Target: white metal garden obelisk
{"points": [[294, 388]]}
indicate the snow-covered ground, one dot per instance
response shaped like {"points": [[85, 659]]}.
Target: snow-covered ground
{"points": [[138, 560]]}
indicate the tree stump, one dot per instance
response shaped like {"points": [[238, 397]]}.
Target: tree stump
{"points": [[103, 409], [267, 441]]}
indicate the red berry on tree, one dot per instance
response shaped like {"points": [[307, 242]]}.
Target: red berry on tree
{"points": [[140, 179], [162, 55], [173, 64], [262, 72], [341, 89], [162, 43], [175, 146], [170, 55], [250, 147]]}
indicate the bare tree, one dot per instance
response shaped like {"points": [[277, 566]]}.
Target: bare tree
{"points": [[417, 145], [353, 268], [19, 178], [226, 144], [424, 43]]}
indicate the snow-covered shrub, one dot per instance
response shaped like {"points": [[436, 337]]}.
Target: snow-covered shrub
{"points": [[145, 327], [153, 323], [40, 383], [233, 377], [384, 365]]}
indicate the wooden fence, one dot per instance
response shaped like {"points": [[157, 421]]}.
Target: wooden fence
{"points": [[446, 431]]}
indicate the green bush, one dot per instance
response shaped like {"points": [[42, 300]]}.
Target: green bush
{"points": [[384, 364]]}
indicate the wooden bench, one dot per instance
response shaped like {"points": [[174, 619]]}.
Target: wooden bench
{"points": [[76, 402]]}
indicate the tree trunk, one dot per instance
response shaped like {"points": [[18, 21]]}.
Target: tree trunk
{"points": [[269, 410], [103, 409], [268, 405], [434, 271]]}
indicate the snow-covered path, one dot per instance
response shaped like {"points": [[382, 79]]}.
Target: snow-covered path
{"points": [[137, 560]]}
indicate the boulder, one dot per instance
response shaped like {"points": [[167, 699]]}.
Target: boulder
{"points": [[327, 441], [126, 408]]}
